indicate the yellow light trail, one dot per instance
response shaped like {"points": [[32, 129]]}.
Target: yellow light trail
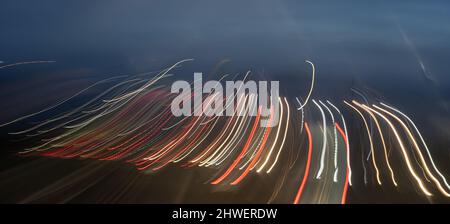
{"points": [[276, 138], [382, 140], [324, 142], [404, 152], [284, 138], [423, 142], [370, 141], [228, 147]]}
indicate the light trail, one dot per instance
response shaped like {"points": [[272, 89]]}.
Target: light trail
{"points": [[244, 150], [423, 142], [131, 121], [370, 141], [347, 175], [324, 142], [361, 94], [276, 138], [335, 142], [235, 141], [213, 158], [382, 141], [255, 159], [416, 146], [311, 88], [61, 102], [307, 167], [284, 137], [405, 154], [24, 63], [347, 146]]}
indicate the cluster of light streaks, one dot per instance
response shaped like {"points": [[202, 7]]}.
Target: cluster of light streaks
{"points": [[132, 121], [415, 157]]}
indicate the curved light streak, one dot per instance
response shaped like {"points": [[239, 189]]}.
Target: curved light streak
{"points": [[382, 141], [347, 146], [276, 138], [335, 142], [423, 142], [370, 141], [324, 142], [308, 165], [422, 159], [284, 137], [405, 154], [312, 85]]}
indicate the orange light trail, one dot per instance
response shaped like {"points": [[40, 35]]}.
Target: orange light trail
{"points": [[308, 165]]}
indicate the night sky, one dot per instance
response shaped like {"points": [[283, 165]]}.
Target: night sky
{"points": [[397, 51]]}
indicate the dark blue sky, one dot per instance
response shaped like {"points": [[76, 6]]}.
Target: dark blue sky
{"points": [[378, 45], [143, 34]]}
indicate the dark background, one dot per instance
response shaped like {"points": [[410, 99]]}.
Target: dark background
{"points": [[398, 50]]}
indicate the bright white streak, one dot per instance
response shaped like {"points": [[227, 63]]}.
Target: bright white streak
{"points": [[435, 180], [370, 140], [405, 154], [284, 137], [335, 139], [312, 85], [346, 143], [382, 141], [303, 115], [276, 138], [423, 142], [324, 142], [24, 63]]}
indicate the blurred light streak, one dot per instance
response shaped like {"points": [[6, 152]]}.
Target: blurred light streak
{"points": [[307, 167], [403, 149], [255, 159], [312, 85], [25, 63], [423, 142], [244, 150], [335, 142], [347, 175], [422, 159], [347, 146], [324, 142], [276, 138], [382, 142], [284, 137], [370, 141]]}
